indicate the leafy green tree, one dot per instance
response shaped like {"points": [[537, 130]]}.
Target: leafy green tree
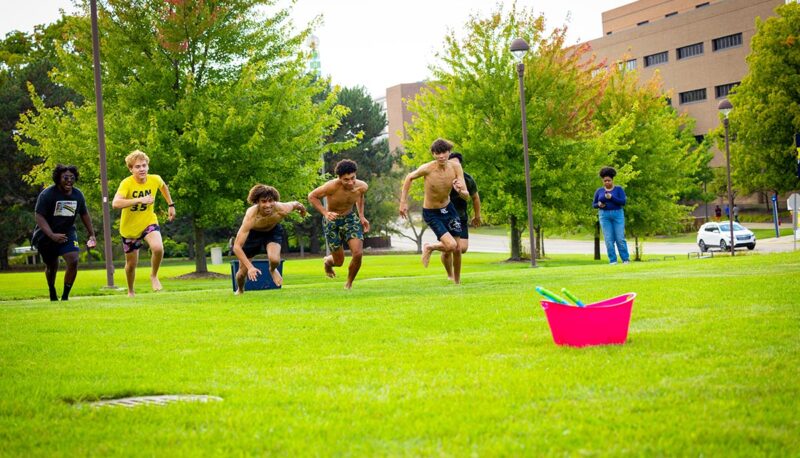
{"points": [[25, 58], [766, 107], [658, 159], [363, 126], [474, 102], [215, 92]]}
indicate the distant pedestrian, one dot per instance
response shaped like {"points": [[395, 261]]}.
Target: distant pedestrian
{"points": [[610, 200], [736, 213], [55, 235], [727, 212], [717, 213]]}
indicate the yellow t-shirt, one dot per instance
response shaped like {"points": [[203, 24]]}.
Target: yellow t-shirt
{"points": [[136, 218]]}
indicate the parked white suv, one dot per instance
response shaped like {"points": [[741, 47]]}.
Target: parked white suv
{"points": [[713, 235]]}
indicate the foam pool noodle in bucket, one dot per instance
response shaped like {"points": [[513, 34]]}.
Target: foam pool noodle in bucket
{"points": [[572, 297], [551, 295]]}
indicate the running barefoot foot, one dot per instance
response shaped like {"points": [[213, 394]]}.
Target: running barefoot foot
{"points": [[348, 286], [276, 278], [426, 254], [329, 270], [156, 284], [238, 292], [131, 294]]}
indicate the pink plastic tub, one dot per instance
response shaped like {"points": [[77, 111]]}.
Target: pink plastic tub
{"points": [[601, 323]]}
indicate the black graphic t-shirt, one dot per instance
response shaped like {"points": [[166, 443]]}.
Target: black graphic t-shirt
{"points": [[59, 209], [461, 204]]}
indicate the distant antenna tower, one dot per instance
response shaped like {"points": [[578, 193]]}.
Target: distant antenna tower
{"points": [[313, 46]]}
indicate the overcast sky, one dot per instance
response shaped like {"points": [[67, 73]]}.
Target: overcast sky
{"points": [[374, 43]]}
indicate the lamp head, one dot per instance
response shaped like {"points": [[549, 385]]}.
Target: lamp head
{"points": [[519, 48], [725, 107]]}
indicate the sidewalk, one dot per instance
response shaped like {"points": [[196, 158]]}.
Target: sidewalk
{"points": [[500, 244]]}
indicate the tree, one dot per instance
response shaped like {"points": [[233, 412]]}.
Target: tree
{"points": [[363, 127], [214, 91], [474, 102], [766, 112], [658, 159], [25, 58]]}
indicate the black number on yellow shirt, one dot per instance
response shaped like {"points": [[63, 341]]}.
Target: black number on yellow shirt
{"points": [[138, 207]]}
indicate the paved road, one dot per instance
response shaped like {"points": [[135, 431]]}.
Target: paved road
{"points": [[500, 244]]}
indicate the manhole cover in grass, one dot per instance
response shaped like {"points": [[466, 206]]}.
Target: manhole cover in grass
{"points": [[158, 400]]}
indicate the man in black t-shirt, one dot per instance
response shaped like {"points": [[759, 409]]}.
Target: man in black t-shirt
{"points": [[55, 234], [461, 208]]}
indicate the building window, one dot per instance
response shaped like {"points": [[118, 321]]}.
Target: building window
{"points": [[655, 59], [674, 13], [730, 41], [689, 51], [630, 64], [724, 89], [642, 23], [701, 5], [696, 95]]}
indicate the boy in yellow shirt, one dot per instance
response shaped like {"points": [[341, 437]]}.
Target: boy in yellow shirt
{"points": [[136, 196]]}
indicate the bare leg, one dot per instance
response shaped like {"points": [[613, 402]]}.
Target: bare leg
{"points": [[131, 259], [327, 261], [447, 262], [274, 254], [71, 259], [241, 278], [156, 245], [446, 244], [356, 250], [457, 263], [50, 271]]}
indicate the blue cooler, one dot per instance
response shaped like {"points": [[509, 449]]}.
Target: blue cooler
{"points": [[264, 280]]}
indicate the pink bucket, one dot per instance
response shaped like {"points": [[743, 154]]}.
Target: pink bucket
{"points": [[601, 323]]}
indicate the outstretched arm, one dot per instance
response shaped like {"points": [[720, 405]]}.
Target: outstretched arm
{"points": [[422, 171], [476, 207], [360, 208], [315, 198], [459, 184], [87, 221], [170, 202]]}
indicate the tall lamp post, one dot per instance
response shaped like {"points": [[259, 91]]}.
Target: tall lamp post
{"points": [[101, 146], [519, 48], [725, 108]]}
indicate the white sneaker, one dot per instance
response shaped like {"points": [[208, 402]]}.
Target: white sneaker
{"points": [[626, 262], [612, 263]]}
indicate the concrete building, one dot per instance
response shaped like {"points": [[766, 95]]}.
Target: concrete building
{"points": [[698, 47], [397, 115]]}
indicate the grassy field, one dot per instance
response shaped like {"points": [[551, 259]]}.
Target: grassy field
{"points": [[690, 237], [407, 364]]}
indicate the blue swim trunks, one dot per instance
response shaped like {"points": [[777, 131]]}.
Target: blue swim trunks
{"points": [[443, 220]]}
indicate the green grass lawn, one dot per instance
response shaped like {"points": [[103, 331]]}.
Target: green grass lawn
{"points": [[407, 364]]}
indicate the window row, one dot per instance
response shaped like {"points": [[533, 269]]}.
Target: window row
{"points": [[695, 49], [698, 95], [673, 13]]}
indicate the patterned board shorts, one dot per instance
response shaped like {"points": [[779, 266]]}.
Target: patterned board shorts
{"points": [[129, 245], [342, 229]]}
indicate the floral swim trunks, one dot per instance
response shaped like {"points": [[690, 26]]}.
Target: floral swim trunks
{"points": [[342, 229]]}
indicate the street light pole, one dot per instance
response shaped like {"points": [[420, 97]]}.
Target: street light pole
{"points": [[101, 144], [725, 107], [519, 48]]}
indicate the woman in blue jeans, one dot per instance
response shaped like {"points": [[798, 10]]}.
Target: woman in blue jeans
{"points": [[610, 199]]}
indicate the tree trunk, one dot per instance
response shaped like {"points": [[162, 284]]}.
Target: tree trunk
{"points": [[597, 240], [516, 241], [314, 239], [4, 256], [200, 265], [638, 256], [539, 242]]}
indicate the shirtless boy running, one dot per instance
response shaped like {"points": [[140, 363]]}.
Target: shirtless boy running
{"points": [[342, 225], [441, 175], [261, 231]]}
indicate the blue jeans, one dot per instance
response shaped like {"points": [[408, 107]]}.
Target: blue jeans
{"points": [[613, 224]]}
